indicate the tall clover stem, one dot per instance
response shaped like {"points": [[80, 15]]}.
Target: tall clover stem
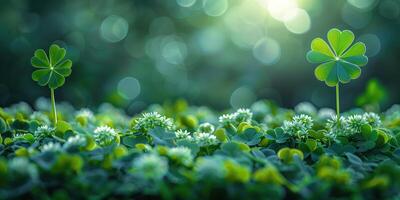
{"points": [[338, 104], [53, 107]]}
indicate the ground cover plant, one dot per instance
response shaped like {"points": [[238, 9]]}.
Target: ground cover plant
{"points": [[178, 151]]}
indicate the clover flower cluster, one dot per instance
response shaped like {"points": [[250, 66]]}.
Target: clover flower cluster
{"points": [[352, 124], [205, 139], [241, 115], [44, 130], [200, 138], [181, 155], [152, 120], [84, 115], [77, 140], [51, 147], [333, 128], [38, 116], [206, 128], [183, 134], [299, 125], [150, 167], [305, 108], [326, 113], [105, 135]]}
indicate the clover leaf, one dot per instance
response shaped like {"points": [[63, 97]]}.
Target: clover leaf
{"points": [[52, 69], [341, 62]]}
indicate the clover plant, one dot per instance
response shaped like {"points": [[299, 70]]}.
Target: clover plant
{"points": [[51, 70], [341, 61]]}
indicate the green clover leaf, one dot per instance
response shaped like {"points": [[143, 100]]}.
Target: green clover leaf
{"points": [[341, 62], [52, 69]]}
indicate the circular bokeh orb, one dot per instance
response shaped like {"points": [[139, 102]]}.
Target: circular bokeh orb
{"points": [[128, 88], [281, 10], [362, 4], [300, 23], [242, 97], [174, 52], [373, 43], [267, 51], [186, 3], [215, 8], [390, 9], [114, 28], [354, 17]]}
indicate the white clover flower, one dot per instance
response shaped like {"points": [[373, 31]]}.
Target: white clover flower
{"points": [[77, 140], [373, 119], [85, 114], [305, 108], [152, 120], [150, 167], [51, 147], [355, 123], [38, 116], [243, 115], [44, 130], [105, 135], [335, 130], [205, 139], [326, 113], [183, 134], [226, 119], [206, 128], [181, 155], [299, 125], [209, 167]]}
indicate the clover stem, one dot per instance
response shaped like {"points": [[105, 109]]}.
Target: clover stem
{"points": [[337, 105], [53, 106]]}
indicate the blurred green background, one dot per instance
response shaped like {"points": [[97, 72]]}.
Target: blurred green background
{"points": [[219, 53]]}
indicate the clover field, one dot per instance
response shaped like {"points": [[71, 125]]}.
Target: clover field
{"points": [[177, 151]]}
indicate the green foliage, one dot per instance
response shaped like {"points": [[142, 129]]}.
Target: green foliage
{"points": [[374, 95], [341, 60], [154, 160], [52, 69]]}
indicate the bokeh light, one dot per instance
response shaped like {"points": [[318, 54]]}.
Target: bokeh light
{"points": [[129, 88], [186, 3], [267, 51], [372, 42], [363, 4], [281, 10], [215, 7], [242, 97], [299, 23], [390, 9], [354, 17], [114, 28]]}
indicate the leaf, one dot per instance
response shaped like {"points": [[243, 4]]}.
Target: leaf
{"points": [[160, 137], [339, 40], [131, 141], [311, 144], [249, 136], [52, 71], [56, 54], [3, 126], [353, 159], [342, 66]]}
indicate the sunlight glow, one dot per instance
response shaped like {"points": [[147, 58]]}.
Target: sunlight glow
{"points": [[280, 9]]}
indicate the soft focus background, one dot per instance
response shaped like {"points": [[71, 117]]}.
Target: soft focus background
{"points": [[219, 53]]}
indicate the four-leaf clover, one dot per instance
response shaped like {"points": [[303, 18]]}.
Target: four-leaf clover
{"points": [[52, 69], [341, 63]]}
